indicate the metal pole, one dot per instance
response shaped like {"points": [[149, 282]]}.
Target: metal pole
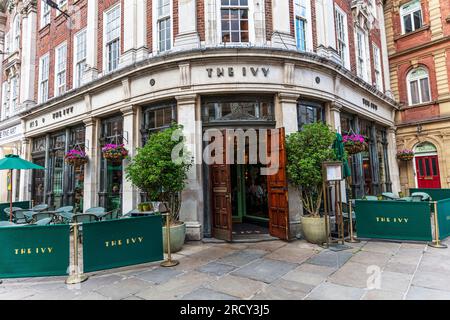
{"points": [[350, 214], [10, 194], [436, 243], [325, 208], [76, 277], [341, 217], [169, 262]]}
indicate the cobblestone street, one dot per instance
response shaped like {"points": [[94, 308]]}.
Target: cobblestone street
{"points": [[263, 270]]}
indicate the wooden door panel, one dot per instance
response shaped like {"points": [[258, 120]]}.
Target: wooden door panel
{"points": [[427, 171], [277, 188]]}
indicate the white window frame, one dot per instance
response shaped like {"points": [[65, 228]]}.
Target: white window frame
{"points": [[410, 12], [251, 25], [7, 44], [62, 5], [306, 16], [365, 66], [14, 94], [77, 82], [45, 14], [16, 33], [408, 86], [346, 54], [5, 101], [63, 85], [377, 68], [43, 96], [105, 42]]}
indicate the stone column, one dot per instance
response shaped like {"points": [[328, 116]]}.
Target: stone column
{"points": [[282, 37], [392, 158], [135, 32], [25, 175], [187, 37], [90, 198], [192, 197], [129, 200], [91, 71]]}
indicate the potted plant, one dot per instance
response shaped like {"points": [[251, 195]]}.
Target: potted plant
{"points": [[163, 178], [405, 155], [76, 157], [354, 143], [114, 152], [306, 151]]}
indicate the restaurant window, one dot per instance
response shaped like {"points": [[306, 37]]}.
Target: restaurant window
{"points": [[309, 112], [111, 173], [56, 170], [223, 109], [411, 16], [418, 86], [234, 18], [76, 173], [157, 117], [38, 148]]}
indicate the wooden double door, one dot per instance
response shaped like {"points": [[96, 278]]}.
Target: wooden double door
{"points": [[277, 191]]}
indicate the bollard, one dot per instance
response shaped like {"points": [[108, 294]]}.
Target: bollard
{"points": [[350, 209], [436, 243], [169, 262], [76, 277]]}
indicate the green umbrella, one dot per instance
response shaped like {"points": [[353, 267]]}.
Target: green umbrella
{"points": [[11, 162], [338, 147]]}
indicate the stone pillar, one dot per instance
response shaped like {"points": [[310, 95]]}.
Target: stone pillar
{"points": [[282, 37], [211, 23], [90, 198], [392, 158], [129, 200], [91, 71], [135, 32], [187, 37], [28, 63], [25, 175], [192, 197]]}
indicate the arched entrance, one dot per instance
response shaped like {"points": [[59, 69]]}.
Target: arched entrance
{"points": [[427, 166]]}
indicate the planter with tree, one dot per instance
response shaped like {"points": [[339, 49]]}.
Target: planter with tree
{"points": [[163, 178], [306, 151]]}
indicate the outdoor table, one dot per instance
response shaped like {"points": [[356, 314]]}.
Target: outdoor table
{"points": [[66, 215]]}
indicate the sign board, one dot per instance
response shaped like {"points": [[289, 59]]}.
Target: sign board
{"points": [[34, 251], [122, 242], [396, 220], [443, 208]]}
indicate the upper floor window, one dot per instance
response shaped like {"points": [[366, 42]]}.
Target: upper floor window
{"points": [[62, 5], [164, 28], [300, 23], [112, 38], [80, 57], [418, 86], [234, 19], [45, 13], [16, 40], [60, 69], [6, 93], [411, 16], [342, 36], [43, 78], [14, 92], [377, 67], [361, 54]]}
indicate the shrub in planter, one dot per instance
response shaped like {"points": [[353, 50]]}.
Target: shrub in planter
{"points": [[114, 152], [354, 143], [405, 155], [76, 157], [306, 151]]}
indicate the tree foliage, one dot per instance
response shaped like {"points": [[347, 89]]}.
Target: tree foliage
{"points": [[154, 170], [306, 151]]}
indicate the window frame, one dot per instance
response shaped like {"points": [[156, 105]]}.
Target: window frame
{"points": [[410, 12], [345, 42], [16, 33], [77, 81], [418, 79], [45, 14], [106, 43], [377, 71], [58, 72], [164, 18], [360, 61], [41, 94], [250, 23]]}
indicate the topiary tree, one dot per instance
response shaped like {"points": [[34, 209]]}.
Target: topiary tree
{"points": [[306, 151], [160, 168]]}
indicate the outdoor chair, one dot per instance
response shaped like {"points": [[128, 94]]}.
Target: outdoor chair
{"points": [[420, 196], [96, 210], [28, 215], [40, 207], [84, 217], [112, 215], [43, 222], [43, 215], [371, 198], [65, 209], [6, 210], [389, 196], [19, 217]]}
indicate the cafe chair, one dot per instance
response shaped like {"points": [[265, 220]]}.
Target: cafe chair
{"points": [[43, 215], [40, 207], [112, 215], [96, 210], [43, 222], [19, 217], [389, 196], [65, 209], [6, 210], [84, 217], [371, 198], [28, 215], [420, 196]]}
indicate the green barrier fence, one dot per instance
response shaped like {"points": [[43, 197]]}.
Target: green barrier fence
{"points": [[436, 194], [397, 220], [123, 242], [19, 204], [34, 251], [443, 208]]}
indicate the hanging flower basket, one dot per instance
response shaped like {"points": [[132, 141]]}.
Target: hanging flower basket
{"points": [[114, 152], [354, 143], [76, 157], [405, 155]]}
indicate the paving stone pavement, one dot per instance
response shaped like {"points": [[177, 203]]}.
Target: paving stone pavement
{"points": [[272, 270]]}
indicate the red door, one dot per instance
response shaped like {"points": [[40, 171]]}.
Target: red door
{"points": [[277, 189], [427, 170]]}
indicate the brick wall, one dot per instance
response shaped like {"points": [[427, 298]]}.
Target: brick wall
{"points": [[201, 19], [269, 21]]}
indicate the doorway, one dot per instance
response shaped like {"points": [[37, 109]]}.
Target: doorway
{"points": [[427, 170]]}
